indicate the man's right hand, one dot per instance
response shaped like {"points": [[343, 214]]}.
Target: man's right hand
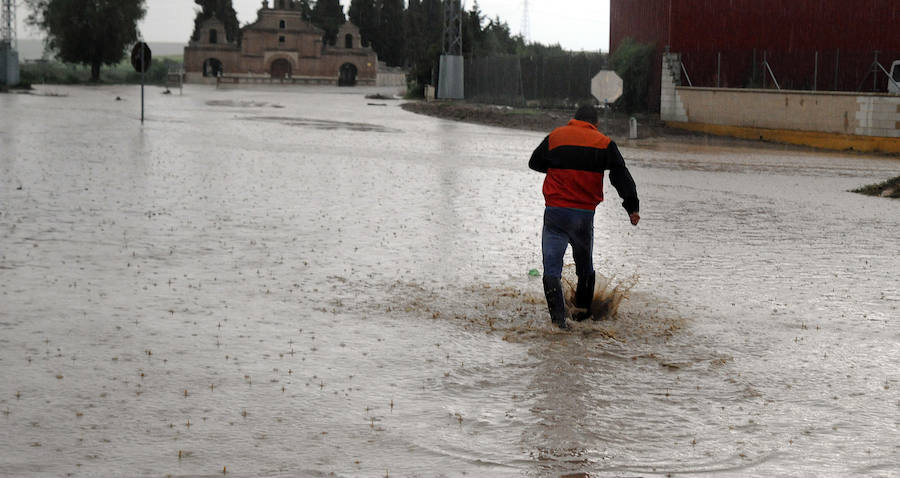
{"points": [[635, 218]]}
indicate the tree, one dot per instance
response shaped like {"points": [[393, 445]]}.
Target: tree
{"points": [[424, 38], [633, 62], [224, 12], [90, 32], [473, 34], [391, 36], [416, 48], [305, 9], [539, 49], [498, 40], [329, 16], [364, 15]]}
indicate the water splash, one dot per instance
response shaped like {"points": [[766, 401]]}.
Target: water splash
{"points": [[609, 292]]}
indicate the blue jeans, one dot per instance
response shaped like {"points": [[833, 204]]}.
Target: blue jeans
{"points": [[564, 226]]}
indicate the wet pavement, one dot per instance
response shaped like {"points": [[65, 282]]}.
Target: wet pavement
{"points": [[300, 283]]}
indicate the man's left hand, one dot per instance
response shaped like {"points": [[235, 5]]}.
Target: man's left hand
{"points": [[635, 218]]}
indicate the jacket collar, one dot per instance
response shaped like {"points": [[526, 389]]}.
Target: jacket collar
{"points": [[581, 124]]}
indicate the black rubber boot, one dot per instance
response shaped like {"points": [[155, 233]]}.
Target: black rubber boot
{"points": [[555, 302], [584, 295]]}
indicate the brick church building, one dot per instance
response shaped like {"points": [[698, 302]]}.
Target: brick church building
{"points": [[280, 46]]}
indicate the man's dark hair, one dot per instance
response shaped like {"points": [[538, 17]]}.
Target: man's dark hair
{"points": [[586, 113]]}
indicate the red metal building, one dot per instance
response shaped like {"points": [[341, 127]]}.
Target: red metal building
{"points": [[807, 44]]}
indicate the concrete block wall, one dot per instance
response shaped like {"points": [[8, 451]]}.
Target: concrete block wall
{"points": [[671, 107], [824, 119], [824, 112], [846, 113], [878, 116]]}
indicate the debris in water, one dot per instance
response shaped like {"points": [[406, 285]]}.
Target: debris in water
{"points": [[889, 188]]}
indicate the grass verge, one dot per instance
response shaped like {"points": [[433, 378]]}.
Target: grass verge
{"points": [[55, 72]]}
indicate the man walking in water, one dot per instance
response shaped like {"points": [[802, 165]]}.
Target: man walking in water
{"points": [[574, 158]]}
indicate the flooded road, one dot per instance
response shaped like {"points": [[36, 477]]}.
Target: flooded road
{"points": [[282, 284]]}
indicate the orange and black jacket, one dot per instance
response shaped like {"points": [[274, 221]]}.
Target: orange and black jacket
{"points": [[574, 157]]}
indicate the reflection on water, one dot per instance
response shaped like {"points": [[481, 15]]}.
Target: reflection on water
{"points": [[323, 124], [344, 290], [242, 104]]}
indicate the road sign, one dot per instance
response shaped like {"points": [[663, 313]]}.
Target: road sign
{"points": [[140, 57], [606, 86], [140, 60]]}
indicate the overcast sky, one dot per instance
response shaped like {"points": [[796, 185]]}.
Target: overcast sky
{"points": [[574, 24]]}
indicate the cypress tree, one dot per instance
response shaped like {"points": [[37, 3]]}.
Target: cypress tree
{"points": [[329, 16], [424, 33], [391, 35], [223, 10], [473, 35], [305, 9], [433, 11], [363, 14], [498, 39], [412, 24]]}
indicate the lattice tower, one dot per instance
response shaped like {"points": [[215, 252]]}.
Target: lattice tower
{"points": [[526, 23], [8, 23], [452, 27]]}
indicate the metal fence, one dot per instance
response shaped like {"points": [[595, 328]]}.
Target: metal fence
{"points": [[564, 80], [831, 70], [558, 80]]}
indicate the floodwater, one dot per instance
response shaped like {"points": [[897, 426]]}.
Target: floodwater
{"points": [[309, 283]]}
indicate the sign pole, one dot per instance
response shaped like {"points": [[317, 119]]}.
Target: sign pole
{"points": [[140, 60], [142, 86], [606, 114]]}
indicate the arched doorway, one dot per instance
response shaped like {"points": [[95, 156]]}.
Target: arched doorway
{"points": [[280, 68], [212, 67], [347, 75]]}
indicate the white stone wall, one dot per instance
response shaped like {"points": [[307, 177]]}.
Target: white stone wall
{"points": [[878, 116], [824, 112], [866, 114], [389, 78]]}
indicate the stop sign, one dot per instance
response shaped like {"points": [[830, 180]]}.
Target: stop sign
{"points": [[140, 57], [606, 86]]}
